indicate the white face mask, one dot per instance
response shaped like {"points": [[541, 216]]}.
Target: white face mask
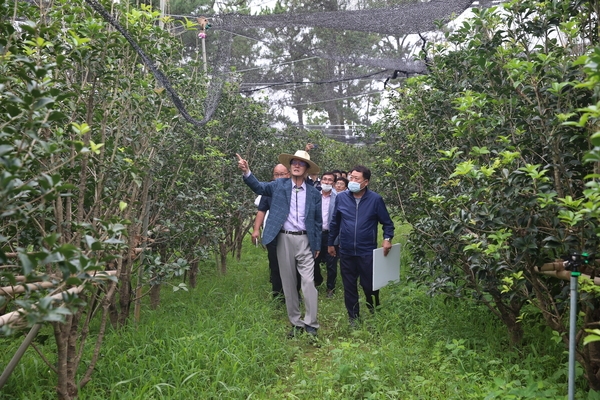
{"points": [[326, 188], [354, 187]]}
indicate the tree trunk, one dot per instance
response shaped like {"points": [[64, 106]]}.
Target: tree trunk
{"points": [[193, 274], [124, 296], [65, 335], [60, 335], [509, 314], [113, 313], [300, 114], [591, 364], [589, 355], [155, 296], [223, 257], [334, 116], [239, 240], [104, 303], [515, 329]]}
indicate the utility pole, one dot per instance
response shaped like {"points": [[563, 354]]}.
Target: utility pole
{"points": [[204, 25]]}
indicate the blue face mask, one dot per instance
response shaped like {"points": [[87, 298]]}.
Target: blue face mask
{"points": [[354, 187]]}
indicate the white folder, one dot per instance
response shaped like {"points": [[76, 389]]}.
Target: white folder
{"points": [[386, 269]]}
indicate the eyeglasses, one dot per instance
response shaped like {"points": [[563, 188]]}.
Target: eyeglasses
{"points": [[298, 162]]}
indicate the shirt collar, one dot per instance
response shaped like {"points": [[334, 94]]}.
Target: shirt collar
{"points": [[303, 186]]}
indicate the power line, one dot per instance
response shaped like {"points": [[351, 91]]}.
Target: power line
{"points": [[274, 65], [300, 83], [244, 36], [337, 98], [328, 127], [351, 78]]}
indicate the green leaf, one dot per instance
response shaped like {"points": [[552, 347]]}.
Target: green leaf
{"points": [[27, 264], [593, 336], [96, 147], [73, 281], [80, 129], [463, 168], [42, 102], [89, 240], [595, 139], [5, 148]]}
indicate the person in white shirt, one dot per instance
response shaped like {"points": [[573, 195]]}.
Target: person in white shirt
{"points": [[328, 196], [263, 203]]}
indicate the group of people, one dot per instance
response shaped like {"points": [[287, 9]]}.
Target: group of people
{"points": [[307, 226], [340, 180]]}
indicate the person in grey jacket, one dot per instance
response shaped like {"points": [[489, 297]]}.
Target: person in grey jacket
{"points": [[295, 222], [356, 215]]}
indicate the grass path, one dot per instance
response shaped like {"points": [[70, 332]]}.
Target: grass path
{"points": [[226, 339]]}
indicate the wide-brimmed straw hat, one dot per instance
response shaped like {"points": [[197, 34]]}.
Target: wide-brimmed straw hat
{"points": [[302, 155]]}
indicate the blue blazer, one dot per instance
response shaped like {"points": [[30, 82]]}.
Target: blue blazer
{"points": [[280, 191]]}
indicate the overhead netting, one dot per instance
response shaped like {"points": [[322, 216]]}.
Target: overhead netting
{"points": [[322, 63], [222, 61]]}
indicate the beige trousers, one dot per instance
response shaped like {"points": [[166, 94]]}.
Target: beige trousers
{"points": [[293, 253]]}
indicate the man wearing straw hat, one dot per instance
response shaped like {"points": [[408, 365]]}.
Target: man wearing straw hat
{"points": [[295, 222]]}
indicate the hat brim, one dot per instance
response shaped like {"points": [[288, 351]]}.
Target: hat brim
{"points": [[286, 159]]}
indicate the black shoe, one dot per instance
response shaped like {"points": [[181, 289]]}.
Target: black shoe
{"points": [[310, 330], [330, 293], [354, 323], [296, 330]]}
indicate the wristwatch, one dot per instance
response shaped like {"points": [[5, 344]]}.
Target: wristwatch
{"points": [[388, 239]]}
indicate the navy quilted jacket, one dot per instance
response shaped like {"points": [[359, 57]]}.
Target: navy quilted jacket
{"points": [[356, 225]]}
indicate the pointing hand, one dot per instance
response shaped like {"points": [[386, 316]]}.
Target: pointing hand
{"points": [[242, 164]]}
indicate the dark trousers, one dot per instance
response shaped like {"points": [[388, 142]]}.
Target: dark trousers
{"points": [[353, 269], [274, 276], [330, 262]]}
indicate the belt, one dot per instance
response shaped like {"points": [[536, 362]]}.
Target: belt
{"points": [[325, 232], [293, 232]]}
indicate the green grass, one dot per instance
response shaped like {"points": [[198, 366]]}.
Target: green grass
{"points": [[226, 339]]}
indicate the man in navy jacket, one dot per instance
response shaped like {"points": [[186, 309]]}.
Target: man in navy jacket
{"points": [[356, 215]]}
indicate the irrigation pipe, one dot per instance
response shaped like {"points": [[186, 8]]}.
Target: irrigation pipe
{"points": [[566, 275], [29, 287], [15, 315]]}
